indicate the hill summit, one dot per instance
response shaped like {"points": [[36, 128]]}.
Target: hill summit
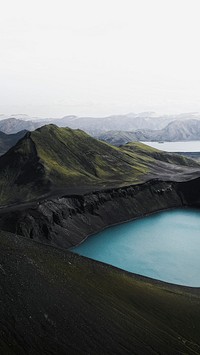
{"points": [[52, 158]]}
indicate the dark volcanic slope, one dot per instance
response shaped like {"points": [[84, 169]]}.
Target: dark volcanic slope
{"points": [[191, 155], [9, 140], [55, 302], [53, 158]]}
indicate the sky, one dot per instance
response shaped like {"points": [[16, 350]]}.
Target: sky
{"points": [[99, 57]]}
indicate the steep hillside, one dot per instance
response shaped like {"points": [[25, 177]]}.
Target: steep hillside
{"points": [[144, 150], [9, 140], [55, 302], [53, 158]]}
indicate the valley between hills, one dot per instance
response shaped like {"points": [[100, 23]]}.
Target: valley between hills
{"points": [[58, 186]]}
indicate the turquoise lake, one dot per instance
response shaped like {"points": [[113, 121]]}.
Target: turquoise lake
{"points": [[164, 246]]}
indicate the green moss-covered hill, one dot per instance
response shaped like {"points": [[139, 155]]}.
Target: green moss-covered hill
{"points": [[56, 302], [53, 158]]}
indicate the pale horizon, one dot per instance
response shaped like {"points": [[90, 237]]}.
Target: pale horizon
{"points": [[99, 58], [153, 114]]}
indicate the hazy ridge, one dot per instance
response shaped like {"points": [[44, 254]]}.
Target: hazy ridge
{"points": [[96, 126]]}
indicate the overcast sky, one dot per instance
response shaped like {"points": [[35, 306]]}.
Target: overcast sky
{"points": [[98, 57]]}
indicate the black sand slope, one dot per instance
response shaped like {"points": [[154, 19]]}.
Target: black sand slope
{"points": [[55, 302]]}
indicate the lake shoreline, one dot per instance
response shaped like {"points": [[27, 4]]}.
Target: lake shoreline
{"points": [[157, 246], [147, 214]]}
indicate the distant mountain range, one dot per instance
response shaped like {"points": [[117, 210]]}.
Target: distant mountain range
{"points": [[14, 125], [96, 126], [129, 122], [175, 131], [52, 158], [186, 130], [178, 130], [23, 116]]}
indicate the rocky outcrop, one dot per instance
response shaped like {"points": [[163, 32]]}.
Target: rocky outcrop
{"points": [[68, 220]]}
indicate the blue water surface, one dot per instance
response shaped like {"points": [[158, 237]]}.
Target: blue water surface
{"points": [[164, 246]]}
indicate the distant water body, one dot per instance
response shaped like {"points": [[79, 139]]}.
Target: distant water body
{"points": [[164, 246], [192, 146]]}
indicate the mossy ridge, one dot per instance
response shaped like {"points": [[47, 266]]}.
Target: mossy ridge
{"points": [[81, 149], [51, 158]]}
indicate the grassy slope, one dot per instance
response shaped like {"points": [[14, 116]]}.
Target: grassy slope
{"points": [[73, 154], [51, 158], [55, 157], [159, 164], [152, 154], [55, 302]]}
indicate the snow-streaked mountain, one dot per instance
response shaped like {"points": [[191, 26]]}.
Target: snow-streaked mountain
{"points": [[175, 131], [186, 130]]}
